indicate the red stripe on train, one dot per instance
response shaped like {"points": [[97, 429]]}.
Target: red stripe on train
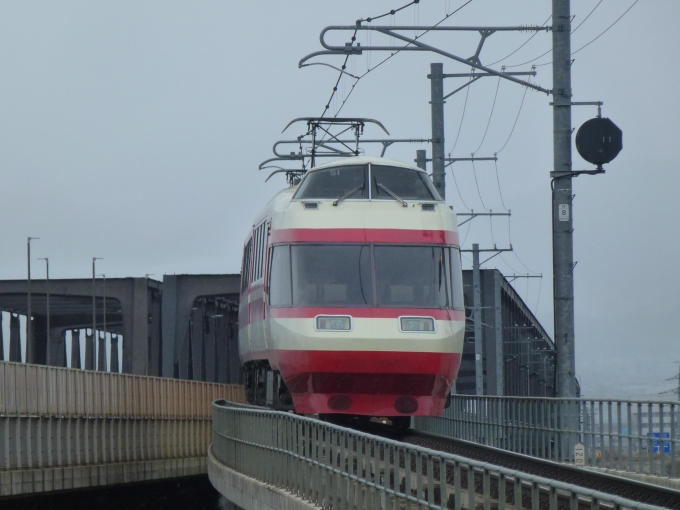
{"points": [[363, 235], [367, 313]]}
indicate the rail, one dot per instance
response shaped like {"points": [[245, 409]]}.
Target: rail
{"points": [[339, 468], [622, 435]]}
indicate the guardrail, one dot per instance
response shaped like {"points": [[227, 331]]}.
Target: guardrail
{"points": [[633, 436], [339, 468], [40, 390]]}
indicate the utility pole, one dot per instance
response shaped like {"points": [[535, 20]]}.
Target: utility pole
{"points": [[678, 383], [29, 314], [562, 197], [47, 296], [477, 304], [89, 354], [436, 77]]}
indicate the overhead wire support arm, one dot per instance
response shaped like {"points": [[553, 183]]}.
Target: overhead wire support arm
{"points": [[473, 215], [413, 44], [476, 76], [451, 161]]}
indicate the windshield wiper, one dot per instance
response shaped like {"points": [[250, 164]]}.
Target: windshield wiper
{"points": [[348, 194], [393, 195]]}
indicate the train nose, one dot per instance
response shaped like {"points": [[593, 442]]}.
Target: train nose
{"points": [[406, 405]]}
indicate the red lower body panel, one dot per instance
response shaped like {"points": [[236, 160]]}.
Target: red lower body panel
{"points": [[369, 383]]}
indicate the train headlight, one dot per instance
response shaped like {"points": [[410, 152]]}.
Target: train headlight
{"points": [[333, 323], [417, 324]]}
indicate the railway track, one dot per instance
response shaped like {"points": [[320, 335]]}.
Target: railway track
{"points": [[601, 482]]}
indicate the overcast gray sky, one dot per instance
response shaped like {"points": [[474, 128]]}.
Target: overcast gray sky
{"points": [[133, 130]]}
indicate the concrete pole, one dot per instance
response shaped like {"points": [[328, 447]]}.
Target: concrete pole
{"points": [[29, 313], [104, 300], [94, 320], [47, 296], [436, 77], [679, 384], [563, 246], [477, 304]]}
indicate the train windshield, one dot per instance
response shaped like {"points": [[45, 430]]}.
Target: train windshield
{"points": [[336, 182], [351, 183], [321, 275], [347, 275], [405, 183], [413, 276]]}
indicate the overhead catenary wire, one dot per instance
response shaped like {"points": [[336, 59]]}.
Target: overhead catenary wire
{"points": [[493, 105], [524, 95], [458, 190], [588, 43], [523, 44], [474, 171], [500, 193], [462, 118], [354, 35], [607, 29], [588, 16], [392, 54]]}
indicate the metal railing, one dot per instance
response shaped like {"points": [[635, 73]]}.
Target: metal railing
{"points": [[339, 468], [639, 437]]}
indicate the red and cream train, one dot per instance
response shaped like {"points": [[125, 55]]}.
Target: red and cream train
{"points": [[351, 294]]}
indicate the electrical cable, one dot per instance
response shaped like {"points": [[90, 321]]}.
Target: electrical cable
{"points": [[354, 36], [529, 61], [458, 190], [495, 164], [370, 69], [493, 105], [493, 241], [474, 171], [462, 117], [506, 263], [540, 284], [605, 31], [587, 44], [588, 16], [516, 119], [466, 233], [525, 42]]}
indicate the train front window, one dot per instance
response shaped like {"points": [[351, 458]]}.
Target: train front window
{"points": [[407, 184], [336, 182], [331, 275], [413, 276]]}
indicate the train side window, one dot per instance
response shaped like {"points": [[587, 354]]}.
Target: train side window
{"points": [[406, 183], [245, 266], [279, 276], [336, 182], [457, 280], [258, 252]]}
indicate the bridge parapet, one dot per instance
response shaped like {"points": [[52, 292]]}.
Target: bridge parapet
{"points": [[66, 428], [317, 464], [631, 436]]}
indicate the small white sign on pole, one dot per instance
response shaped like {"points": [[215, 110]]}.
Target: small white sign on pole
{"points": [[579, 455], [563, 212]]}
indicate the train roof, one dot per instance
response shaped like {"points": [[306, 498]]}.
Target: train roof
{"points": [[363, 160], [286, 213]]}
